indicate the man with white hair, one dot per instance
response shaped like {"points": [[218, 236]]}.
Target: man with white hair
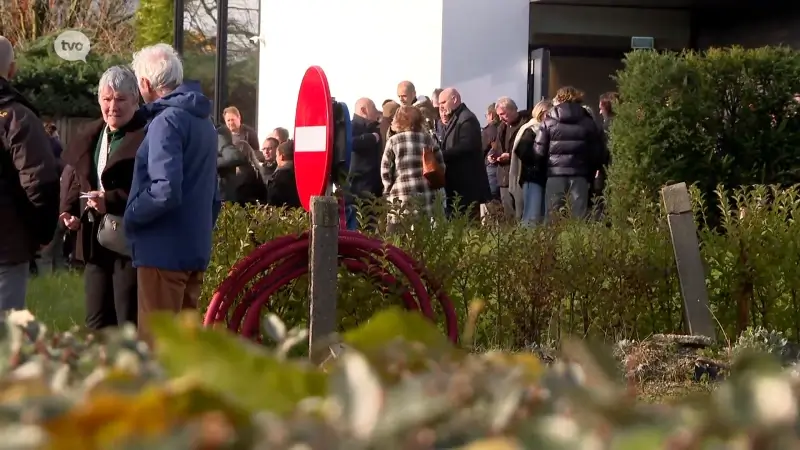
{"points": [[29, 185], [174, 200]]}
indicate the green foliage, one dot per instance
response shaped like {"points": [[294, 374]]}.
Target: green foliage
{"points": [[568, 278], [721, 117], [760, 340], [538, 285], [189, 350], [60, 88], [66, 392], [154, 22]]}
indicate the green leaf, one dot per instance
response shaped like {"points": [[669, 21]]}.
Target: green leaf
{"points": [[249, 375], [639, 438], [392, 324]]}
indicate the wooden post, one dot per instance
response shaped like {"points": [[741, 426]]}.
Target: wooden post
{"points": [[687, 258], [323, 269]]}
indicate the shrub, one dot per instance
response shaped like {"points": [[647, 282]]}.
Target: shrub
{"points": [[720, 117], [586, 279], [393, 383], [60, 88]]}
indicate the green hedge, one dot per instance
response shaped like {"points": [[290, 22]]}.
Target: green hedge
{"points": [[60, 88], [569, 278], [719, 117]]}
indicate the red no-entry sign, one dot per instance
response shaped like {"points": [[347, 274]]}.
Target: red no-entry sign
{"points": [[313, 136]]}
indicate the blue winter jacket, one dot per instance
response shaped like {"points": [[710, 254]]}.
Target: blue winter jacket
{"points": [[174, 200]]}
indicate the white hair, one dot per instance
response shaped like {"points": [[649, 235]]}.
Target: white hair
{"points": [[506, 103], [119, 79], [6, 56], [159, 64]]}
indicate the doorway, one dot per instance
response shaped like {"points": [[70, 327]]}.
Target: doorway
{"points": [[590, 70]]}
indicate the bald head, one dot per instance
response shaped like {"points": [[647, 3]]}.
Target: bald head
{"points": [[6, 58], [449, 100], [366, 109], [406, 93]]}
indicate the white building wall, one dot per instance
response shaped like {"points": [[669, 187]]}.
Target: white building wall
{"points": [[367, 46], [485, 51]]}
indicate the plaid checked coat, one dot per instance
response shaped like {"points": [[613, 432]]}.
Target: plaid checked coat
{"points": [[401, 172]]}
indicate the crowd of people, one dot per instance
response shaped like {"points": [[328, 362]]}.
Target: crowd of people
{"points": [[522, 165], [139, 189]]}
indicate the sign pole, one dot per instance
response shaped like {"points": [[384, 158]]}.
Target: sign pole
{"points": [[691, 273], [313, 160], [323, 270]]}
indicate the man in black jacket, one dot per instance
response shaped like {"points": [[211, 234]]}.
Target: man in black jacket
{"points": [[465, 170], [29, 186], [365, 162], [282, 187], [570, 145], [237, 168]]}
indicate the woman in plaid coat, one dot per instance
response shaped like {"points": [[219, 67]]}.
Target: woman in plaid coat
{"points": [[401, 166]]}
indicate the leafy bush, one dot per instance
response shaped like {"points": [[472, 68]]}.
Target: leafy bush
{"points": [[568, 278], [719, 117], [60, 88], [760, 340], [394, 383]]}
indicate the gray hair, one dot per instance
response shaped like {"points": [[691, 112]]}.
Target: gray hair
{"points": [[6, 56], [506, 103], [159, 64], [119, 79]]}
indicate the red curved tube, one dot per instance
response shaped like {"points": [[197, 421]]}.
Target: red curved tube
{"points": [[284, 259]]}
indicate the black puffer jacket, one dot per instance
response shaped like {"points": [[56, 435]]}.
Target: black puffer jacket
{"points": [[569, 142]]}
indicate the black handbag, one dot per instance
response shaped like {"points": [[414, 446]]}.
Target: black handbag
{"points": [[111, 235]]}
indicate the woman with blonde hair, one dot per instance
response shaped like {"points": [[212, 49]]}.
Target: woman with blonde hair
{"points": [[526, 173], [402, 164]]}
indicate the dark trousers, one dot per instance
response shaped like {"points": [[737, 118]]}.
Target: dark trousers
{"points": [[567, 191], [472, 210], [111, 294]]}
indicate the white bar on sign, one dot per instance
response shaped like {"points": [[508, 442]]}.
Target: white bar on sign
{"points": [[310, 139]]}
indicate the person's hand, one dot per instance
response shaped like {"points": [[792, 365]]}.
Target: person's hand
{"points": [[97, 201], [491, 159], [69, 221], [504, 158]]}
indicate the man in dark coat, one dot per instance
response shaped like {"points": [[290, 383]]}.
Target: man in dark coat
{"points": [[237, 169], [29, 184], [466, 180], [365, 163], [282, 187]]}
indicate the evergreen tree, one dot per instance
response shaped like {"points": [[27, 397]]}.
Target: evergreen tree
{"points": [[154, 20]]}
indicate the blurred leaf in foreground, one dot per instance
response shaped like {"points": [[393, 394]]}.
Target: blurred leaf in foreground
{"points": [[105, 420], [255, 379], [393, 323]]}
